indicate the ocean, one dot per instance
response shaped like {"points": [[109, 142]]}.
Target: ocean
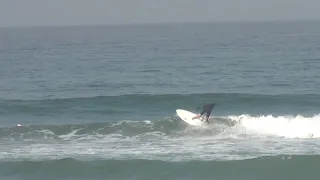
{"points": [[98, 102]]}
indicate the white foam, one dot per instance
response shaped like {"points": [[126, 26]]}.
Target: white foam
{"points": [[284, 126], [252, 136], [70, 135]]}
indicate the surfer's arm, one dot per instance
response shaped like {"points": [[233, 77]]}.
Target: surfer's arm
{"points": [[199, 115]]}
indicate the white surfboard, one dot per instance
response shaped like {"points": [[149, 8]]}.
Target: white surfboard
{"points": [[187, 116]]}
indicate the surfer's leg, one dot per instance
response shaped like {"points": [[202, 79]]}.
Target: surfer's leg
{"points": [[207, 119]]}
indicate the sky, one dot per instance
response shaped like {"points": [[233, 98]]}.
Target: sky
{"points": [[87, 12]]}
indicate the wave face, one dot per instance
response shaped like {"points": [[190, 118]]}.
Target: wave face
{"points": [[264, 168], [151, 107]]}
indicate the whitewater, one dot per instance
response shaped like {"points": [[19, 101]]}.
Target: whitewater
{"points": [[170, 139]]}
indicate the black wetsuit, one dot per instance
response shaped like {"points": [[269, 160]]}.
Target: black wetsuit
{"points": [[207, 108]]}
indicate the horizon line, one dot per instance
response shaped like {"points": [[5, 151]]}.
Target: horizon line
{"points": [[160, 23]]}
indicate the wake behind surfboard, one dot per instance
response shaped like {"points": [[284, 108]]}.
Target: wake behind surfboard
{"points": [[187, 116]]}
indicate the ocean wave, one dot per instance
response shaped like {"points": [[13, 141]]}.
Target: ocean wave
{"points": [[282, 126], [227, 138], [133, 107], [70, 131], [169, 96]]}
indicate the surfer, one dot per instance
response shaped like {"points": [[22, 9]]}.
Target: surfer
{"points": [[207, 108]]}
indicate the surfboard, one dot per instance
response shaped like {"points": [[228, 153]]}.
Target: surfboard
{"points": [[187, 116]]}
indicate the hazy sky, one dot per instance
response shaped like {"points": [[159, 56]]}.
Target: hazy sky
{"points": [[77, 12]]}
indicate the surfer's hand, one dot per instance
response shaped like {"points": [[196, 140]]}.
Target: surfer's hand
{"points": [[195, 117]]}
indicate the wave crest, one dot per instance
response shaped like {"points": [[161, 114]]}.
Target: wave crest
{"points": [[285, 126]]}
